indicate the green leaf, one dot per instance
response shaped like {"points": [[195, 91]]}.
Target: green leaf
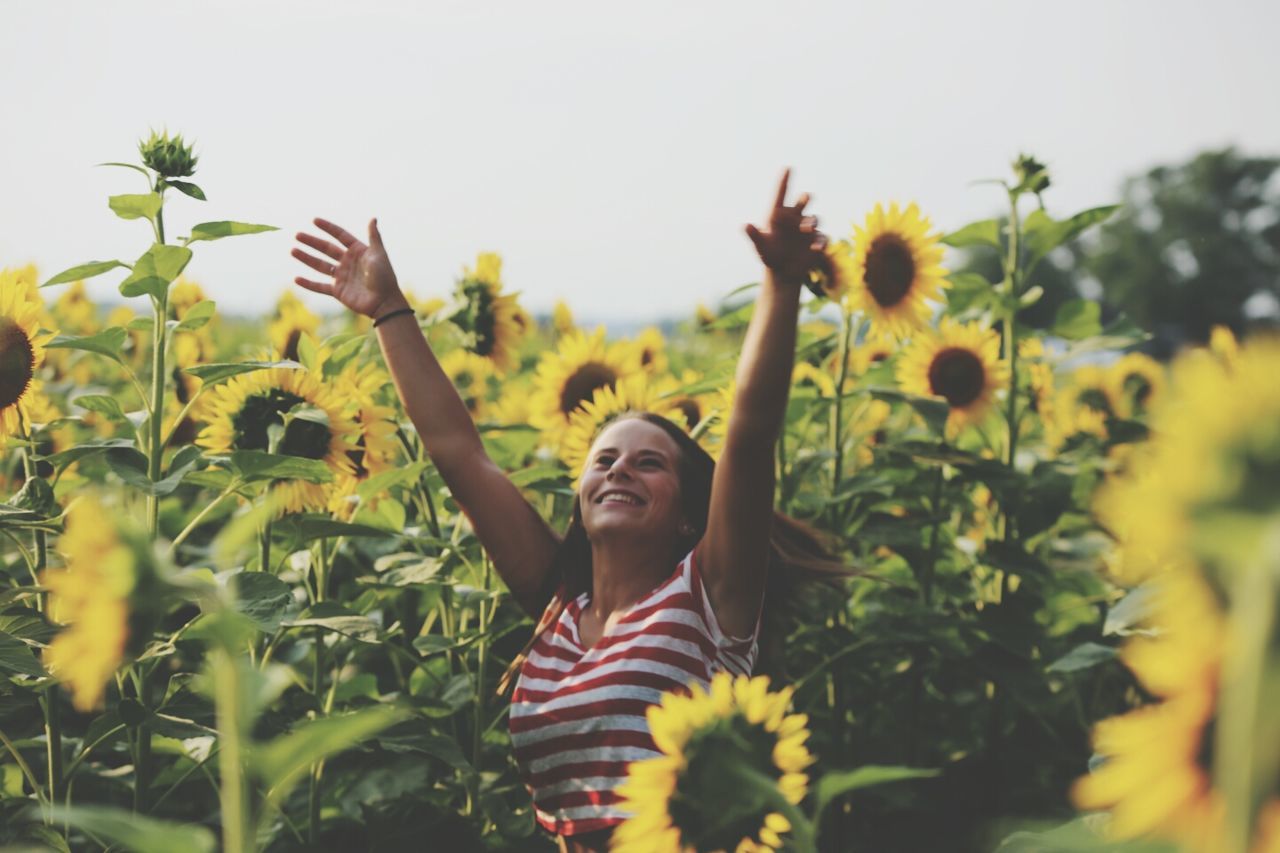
{"points": [[304, 528], [281, 763], [212, 374], [218, 230], [28, 626], [1077, 319], [103, 404], [1083, 656], [141, 206], [84, 271], [332, 616], [1042, 233], [130, 465], [836, 784], [385, 480], [257, 465], [186, 188], [418, 570], [16, 657], [984, 233], [155, 270], [263, 598], [182, 462], [197, 316], [969, 291], [1127, 615], [415, 736], [539, 474], [135, 832], [108, 342], [87, 448], [933, 411]]}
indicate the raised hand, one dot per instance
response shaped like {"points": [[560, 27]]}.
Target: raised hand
{"points": [[363, 279], [792, 244]]}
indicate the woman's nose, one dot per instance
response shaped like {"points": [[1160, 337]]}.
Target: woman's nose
{"points": [[619, 468]]}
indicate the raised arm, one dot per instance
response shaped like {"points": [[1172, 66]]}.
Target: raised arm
{"points": [[734, 552], [518, 541]]}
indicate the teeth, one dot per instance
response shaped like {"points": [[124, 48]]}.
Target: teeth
{"points": [[619, 498]]}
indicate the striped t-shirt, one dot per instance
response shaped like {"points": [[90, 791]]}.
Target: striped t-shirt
{"points": [[578, 715]]}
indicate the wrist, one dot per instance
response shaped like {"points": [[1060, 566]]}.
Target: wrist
{"points": [[397, 302]]}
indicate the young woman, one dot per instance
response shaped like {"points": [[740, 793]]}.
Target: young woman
{"points": [[661, 576]]}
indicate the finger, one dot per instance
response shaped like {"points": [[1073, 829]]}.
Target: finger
{"points": [[756, 238], [339, 233], [333, 250], [314, 286], [819, 243], [375, 236], [317, 264], [801, 202], [809, 224], [780, 201]]}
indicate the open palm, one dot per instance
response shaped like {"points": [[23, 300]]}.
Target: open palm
{"points": [[363, 279]]}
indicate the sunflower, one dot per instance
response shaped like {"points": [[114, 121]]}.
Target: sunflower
{"points": [[21, 348], [695, 408], [1215, 449], [805, 375], [866, 426], [292, 320], [960, 364], [74, 312], [375, 448], [718, 425], [896, 270], [633, 393], [1156, 779], [92, 595], [714, 742], [471, 375], [1136, 381], [651, 351], [1223, 344], [704, 316], [562, 318], [495, 319], [835, 271], [243, 408], [566, 379]]}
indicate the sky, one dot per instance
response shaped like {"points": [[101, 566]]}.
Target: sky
{"points": [[610, 152]]}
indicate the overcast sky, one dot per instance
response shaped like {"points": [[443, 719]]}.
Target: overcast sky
{"points": [[610, 151]]}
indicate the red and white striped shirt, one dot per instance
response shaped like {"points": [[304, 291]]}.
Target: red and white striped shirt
{"points": [[578, 714]]}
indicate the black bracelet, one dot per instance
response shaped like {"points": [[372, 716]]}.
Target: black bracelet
{"points": [[396, 313]]}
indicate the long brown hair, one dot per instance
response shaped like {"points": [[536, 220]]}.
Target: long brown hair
{"points": [[798, 552]]}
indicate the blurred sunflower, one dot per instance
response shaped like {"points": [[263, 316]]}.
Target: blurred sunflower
{"points": [[495, 319], [1215, 450], [632, 393], [716, 742], [1223, 344], [694, 407], [292, 320], [566, 379], [866, 427], [512, 406], [104, 568], [184, 295], [1156, 779], [243, 408], [471, 375], [805, 375], [704, 316], [651, 351], [718, 428], [896, 270], [1136, 381], [961, 364], [562, 318], [375, 448], [835, 272], [75, 312], [22, 346]]}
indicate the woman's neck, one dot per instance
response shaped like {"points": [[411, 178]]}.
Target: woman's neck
{"points": [[623, 572]]}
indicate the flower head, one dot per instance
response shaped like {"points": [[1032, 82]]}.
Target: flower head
{"points": [[732, 755], [961, 364], [169, 157], [896, 270], [22, 346]]}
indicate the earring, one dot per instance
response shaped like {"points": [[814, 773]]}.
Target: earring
{"points": [[685, 529]]}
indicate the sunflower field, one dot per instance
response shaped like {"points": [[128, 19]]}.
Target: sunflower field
{"points": [[241, 612]]}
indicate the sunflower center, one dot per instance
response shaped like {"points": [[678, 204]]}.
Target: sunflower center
{"points": [[291, 345], [711, 812], [1138, 388], [17, 362], [646, 356], [890, 270], [304, 438], [1095, 399], [957, 375], [691, 411], [584, 382]]}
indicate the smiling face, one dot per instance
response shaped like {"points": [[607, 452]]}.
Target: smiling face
{"points": [[631, 482]]}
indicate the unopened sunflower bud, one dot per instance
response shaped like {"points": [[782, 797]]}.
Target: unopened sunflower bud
{"points": [[1033, 176], [171, 158]]}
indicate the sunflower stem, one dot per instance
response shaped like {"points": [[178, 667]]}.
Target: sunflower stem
{"points": [[1013, 279], [482, 660], [200, 516], [754, 782], [231, 791], [264, 547], [26, 771], [837, 426]]}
